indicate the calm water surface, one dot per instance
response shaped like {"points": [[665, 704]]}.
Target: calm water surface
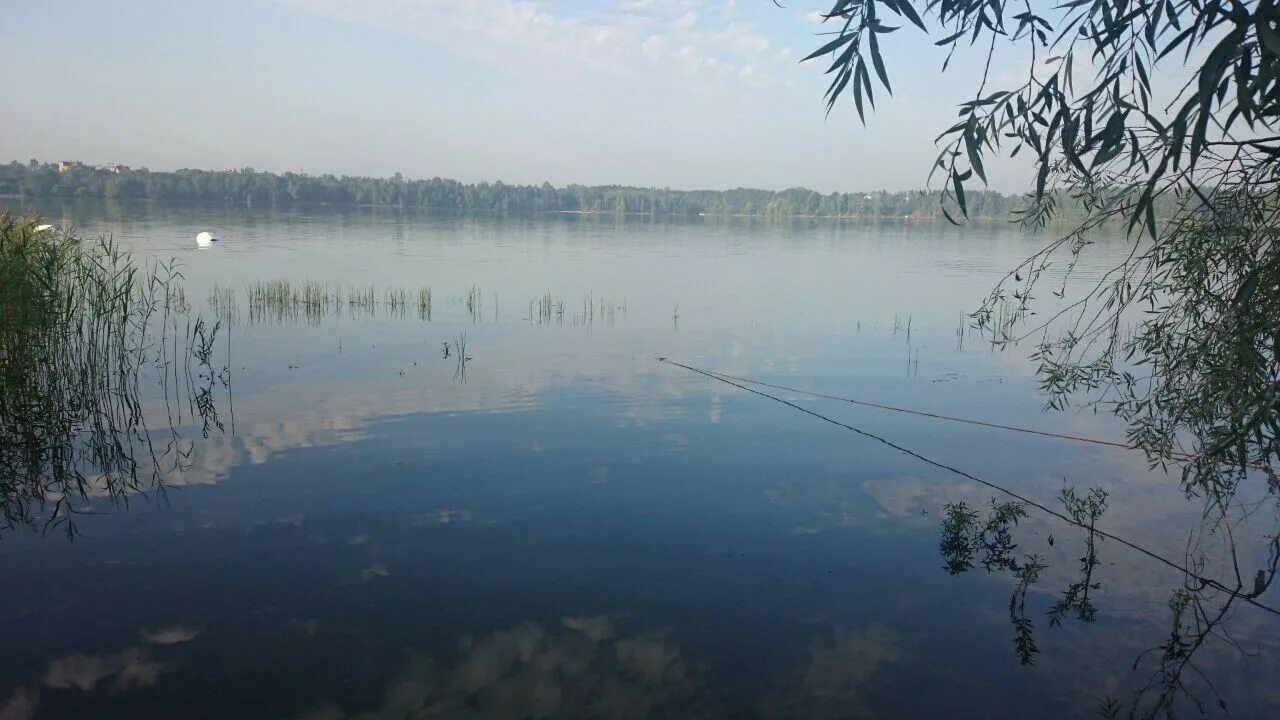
{"points": [[575, 529]]}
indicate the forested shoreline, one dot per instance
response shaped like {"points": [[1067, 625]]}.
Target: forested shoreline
{"points": [[39, 180], [44, 180]]}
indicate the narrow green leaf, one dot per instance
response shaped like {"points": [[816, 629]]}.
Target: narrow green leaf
{"points": [[949, 39], [879, 63], [857, 99], [844, 38], [1042, 177], [903, 7], [958, 186]]}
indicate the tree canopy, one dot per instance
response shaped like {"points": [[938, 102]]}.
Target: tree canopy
{"points": [[1125, 105], [1112, 101], [249, 186]]}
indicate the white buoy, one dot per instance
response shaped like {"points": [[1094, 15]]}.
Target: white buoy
{"points": [[42, 228], [205, 239]]}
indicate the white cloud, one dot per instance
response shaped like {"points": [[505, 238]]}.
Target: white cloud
{"points": [[654, 46], [660, 6], [688, 56], [532, 37], [746, 40], [510, 32]]}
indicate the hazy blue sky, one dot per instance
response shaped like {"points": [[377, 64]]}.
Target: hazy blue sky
{"points": [[677, 93]]}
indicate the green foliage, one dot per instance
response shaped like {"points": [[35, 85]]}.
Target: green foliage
{"points": [[78, 322], [1134, 111], [1087, 107], [963, 536], [966, 534], [1085, 511], [957, 546], [1024, 641]]}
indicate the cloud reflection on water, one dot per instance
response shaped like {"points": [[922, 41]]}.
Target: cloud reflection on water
{"points": [[131, 667], [583, 669]]}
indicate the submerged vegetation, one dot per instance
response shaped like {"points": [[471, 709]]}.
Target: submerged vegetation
{"points": [[80, 322]]}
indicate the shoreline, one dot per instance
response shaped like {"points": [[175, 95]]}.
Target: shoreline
{"points": [[477, 211]]}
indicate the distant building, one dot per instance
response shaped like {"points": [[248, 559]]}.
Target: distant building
{"points": [[114, 168], [69, 165]]}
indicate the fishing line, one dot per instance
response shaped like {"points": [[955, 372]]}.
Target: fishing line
{"points": [[935, 416], [1174, 454], [1204, 581]]}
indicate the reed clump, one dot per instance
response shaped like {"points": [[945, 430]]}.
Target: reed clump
{"points": [[424, 303], [396, 300], [281, 300], [78, 321], [222, 302]]}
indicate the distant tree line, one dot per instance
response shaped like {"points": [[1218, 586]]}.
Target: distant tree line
{"points": [[44, 180]]}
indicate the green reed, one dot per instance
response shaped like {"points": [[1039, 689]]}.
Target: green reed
{"points": [[546, 310], [363, 298], [424, 303], [78, 322], [472, 301], [395, 301], [283, 300], [222, 302]]}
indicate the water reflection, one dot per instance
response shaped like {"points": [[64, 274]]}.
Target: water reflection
{"points": [[1199, 611], [835, 675], [131, 667], [370, 538], [82, 326], [584, 668], [21, 705]]}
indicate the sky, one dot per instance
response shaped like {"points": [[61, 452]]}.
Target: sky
{"points": [[684, 94]]}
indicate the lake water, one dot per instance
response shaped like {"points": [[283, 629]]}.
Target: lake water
{"points": [[563, 525]]}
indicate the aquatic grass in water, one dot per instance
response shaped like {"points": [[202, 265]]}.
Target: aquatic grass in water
{"points": [[281, 301], [222, 302], [424, 303], [472, 300], [396, 299], [363, 299], [458, 350], [544, 310], [80, 321]]}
